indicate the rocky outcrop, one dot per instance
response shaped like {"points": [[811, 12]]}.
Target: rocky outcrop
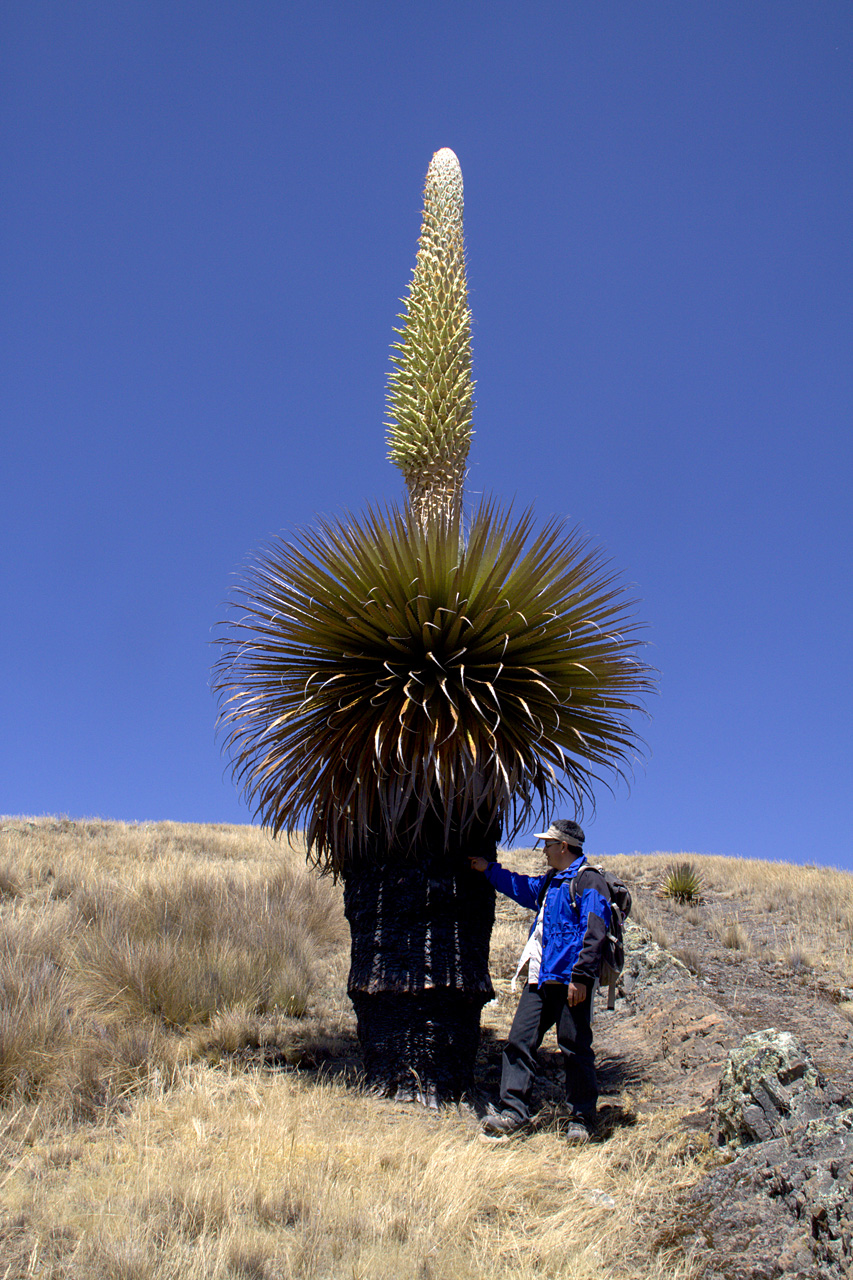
{"points": [[770, 1086], [782, 1206], [649, 965], [780, 1209], [778, 1199], [779, 1203], [668, 1028]]}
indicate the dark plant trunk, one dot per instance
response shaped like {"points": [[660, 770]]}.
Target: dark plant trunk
{"points": [[419, 975]]}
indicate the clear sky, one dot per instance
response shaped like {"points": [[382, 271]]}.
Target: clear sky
{"points": [[210, 212]]}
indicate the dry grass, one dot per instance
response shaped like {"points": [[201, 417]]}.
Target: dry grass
{"points": [[691, 958], [266, 1175], [732, 934], [125, 950], [154, 981]]}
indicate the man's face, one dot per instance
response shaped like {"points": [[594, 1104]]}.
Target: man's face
{"points": [[559, 854]]}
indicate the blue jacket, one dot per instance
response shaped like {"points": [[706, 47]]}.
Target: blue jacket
{"points": [[572, 936]]}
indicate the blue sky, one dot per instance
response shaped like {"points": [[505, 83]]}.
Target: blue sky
{"points": [[210, 213]]}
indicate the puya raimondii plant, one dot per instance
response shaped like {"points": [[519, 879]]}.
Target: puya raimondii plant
{"points": [[412, 684]]}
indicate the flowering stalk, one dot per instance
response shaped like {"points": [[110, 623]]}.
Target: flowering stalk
{"points": [[430, 390]]}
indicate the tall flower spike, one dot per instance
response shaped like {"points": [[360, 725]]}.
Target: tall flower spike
{"points": [[430, 390]]}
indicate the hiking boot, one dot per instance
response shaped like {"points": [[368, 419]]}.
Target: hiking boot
{"points": [[580, 1128], [504, 1124]]}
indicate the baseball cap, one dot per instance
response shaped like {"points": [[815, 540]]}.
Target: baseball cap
{"points": [[563, 829]]}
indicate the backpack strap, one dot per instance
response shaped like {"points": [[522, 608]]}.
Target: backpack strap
{"points": [[546, 885], [573, 883]]}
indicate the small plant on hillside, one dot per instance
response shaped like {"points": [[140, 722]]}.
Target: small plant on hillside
{"points": [[799, 959], [692, 958], [732, 934], [682, 882]]}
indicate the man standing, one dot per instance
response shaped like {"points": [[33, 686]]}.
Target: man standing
{"points": [[563, 956]]}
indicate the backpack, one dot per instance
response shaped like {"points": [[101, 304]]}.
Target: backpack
{"points": [[613, 951]]}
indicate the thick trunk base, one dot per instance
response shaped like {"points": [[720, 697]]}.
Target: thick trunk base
{"points": [[419, 1048], [420, 973]]}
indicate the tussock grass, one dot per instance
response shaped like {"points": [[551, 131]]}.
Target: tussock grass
{"points": [[188, 944], [691, 958], [126, 949], [732, 934]]}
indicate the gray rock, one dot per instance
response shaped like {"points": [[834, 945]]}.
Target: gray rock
{"points": [[769, 1086], [782, 1208], [783, 1205]]}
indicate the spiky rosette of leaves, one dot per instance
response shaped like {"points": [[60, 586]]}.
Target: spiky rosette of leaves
{"points": [[430, 391], [383, 680], [683, 882]]}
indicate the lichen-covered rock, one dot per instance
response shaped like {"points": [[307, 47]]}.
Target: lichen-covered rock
{"points": [[648, 964], [770, 1086]]}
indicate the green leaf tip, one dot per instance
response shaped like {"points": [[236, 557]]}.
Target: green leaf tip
{"points": [[430, 389]]}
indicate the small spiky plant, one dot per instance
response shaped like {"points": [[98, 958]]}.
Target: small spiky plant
{"points": [[410, 688], [682, 882]]}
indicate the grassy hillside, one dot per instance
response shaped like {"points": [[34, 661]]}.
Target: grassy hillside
{"points": [[179, 1089]]}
